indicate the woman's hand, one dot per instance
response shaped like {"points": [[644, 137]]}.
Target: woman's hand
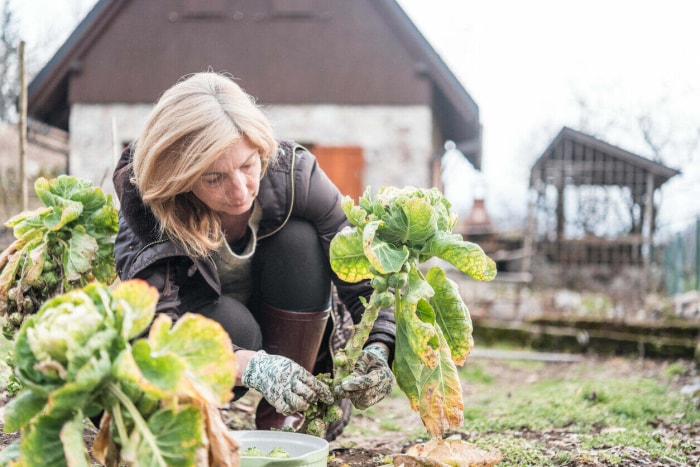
{"points": [[286, 385], [371, 380]]}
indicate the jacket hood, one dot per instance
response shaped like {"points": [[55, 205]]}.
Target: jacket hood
{"points": [[137, 215]]}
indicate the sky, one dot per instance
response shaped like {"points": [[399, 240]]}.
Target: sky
{"points": [[598, 66]]}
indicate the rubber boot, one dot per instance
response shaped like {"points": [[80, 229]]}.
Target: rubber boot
{"points": [[297, 336]]}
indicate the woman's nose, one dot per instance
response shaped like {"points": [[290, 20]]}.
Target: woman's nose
{"points": [[238, 183]]}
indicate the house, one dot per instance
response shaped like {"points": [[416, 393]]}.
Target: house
{"points": [[355, 81], [593, 203], [45, 155]]}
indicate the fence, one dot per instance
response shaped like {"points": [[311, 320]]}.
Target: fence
{"points": [[680, 261]]}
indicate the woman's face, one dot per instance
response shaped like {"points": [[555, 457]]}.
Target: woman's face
{"points": [[229, 186]]}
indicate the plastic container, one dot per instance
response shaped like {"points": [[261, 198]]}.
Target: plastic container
{"points": [[303, 449]]}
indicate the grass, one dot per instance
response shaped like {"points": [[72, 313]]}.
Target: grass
{"points": [[609, 418], [579, 416]]}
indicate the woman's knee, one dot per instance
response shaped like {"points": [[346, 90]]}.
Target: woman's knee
{"points": [[237, 321], [293, 269]]}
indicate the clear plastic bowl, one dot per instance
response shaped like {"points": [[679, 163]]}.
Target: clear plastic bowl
{"points": [[303, 449]]}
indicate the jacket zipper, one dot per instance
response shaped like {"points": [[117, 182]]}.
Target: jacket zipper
{"points": [[291, 204]]}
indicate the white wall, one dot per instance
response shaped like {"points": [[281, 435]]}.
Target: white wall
{"points": [[97, 133], [396, 140]]}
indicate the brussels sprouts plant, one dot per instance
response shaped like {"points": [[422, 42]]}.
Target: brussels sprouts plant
{"points": [[84, 354], [59, 247], [393, 234]]}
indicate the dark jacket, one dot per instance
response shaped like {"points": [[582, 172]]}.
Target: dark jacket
{"points": [[293, 186]]}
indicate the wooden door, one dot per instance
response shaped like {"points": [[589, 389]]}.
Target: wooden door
{"points": [[345, 165]]}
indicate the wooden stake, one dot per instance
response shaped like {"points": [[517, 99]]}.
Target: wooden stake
{"points": [[23, 128]]}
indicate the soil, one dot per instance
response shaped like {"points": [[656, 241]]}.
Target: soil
{"points": [[364, 443], [355, 449]]}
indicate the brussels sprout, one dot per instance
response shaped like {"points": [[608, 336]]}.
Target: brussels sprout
{"points": [[341, 359], [398, 280], [384, 299], [253, 452], [317, 427], [279, 453], [379, 283], [334, 414]]}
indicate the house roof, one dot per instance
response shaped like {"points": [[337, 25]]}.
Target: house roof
{"points": [[456, 113], [584, 159]]}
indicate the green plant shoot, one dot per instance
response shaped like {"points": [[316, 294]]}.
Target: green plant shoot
{"points": [[393, 234]]}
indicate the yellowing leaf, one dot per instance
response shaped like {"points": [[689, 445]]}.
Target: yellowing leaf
{"points": [[136, 302], [205, 350], [347, 257], [452, 314]]}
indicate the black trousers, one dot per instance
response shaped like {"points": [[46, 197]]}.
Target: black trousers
{"points": [[290, 272]]}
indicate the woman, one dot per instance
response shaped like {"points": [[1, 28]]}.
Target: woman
{"points": [[226, 221]]}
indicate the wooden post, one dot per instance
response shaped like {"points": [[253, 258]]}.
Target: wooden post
{"points": [[697, 254], [23, 129]]}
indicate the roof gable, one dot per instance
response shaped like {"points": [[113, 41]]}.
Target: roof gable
{"points": [[364, 52], [584, 159]]}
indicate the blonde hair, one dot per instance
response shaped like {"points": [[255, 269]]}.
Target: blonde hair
{"points": [[192, 124]]}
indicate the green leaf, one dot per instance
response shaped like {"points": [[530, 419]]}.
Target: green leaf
{"points": [[81, 252], [415, 222], [383, 256], [451, 314], [347, 256], [79, 393], [22, 408], [104, 268], [27, 368], [468, 257], [420, 339], [157, 375], [53, 194], [105, 220], [103, 344], [41, 443], [178, 434], [10, 454], [29, 220], [407, 366], [71, 436]]}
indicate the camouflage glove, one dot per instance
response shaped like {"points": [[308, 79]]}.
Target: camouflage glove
{"points": [[286, 385], [372, 378]]}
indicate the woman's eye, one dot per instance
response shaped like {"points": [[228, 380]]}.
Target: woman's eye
{"points": [[212, 180]]}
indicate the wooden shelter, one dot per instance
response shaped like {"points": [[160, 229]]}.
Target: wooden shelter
{"points": [[593, 203]]}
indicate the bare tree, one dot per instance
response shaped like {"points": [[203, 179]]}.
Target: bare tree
{"points": [[9, 76]]}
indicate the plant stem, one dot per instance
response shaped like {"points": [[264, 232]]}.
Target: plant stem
{"points": [[139, 423], [353, 348]]}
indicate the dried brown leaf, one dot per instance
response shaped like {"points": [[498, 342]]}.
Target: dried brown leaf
{"points": [[447, 453]]}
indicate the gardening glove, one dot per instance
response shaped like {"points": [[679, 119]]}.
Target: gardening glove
{"points": [[372, 378], [285, 384]]}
